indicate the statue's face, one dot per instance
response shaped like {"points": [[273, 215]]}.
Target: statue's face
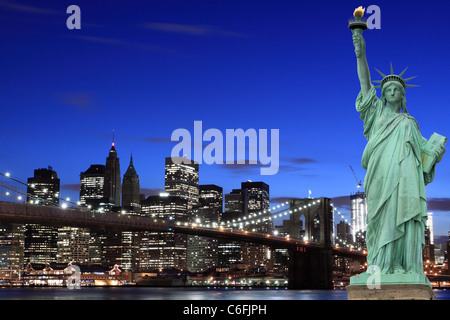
{"points": [[393, 92]]}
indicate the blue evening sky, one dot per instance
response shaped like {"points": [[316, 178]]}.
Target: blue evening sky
{"points": [[146, 68]]}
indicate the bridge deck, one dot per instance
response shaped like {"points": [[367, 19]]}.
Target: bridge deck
{"points": [[84, 218]]}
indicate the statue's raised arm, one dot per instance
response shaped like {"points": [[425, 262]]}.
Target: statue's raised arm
{"points": [[363, 67]]}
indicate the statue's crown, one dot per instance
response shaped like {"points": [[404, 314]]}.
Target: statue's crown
{"points": [[394, 77]]}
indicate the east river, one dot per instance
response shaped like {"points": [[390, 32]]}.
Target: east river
{"points": [[170, 293]]}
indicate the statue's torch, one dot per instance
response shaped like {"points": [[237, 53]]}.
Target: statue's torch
{"points": [[358, 24]]}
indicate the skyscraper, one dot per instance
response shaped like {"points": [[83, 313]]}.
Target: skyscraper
{"points": [[40, 240], [428, 250], [11, 246], [253, 197], [73, 245], [202, 251], [112, 186], [92, 183], [236, 201], [44, 187], [447, 250], [92, 194], [230, 252], [181, 179], [358, 218], [162, 250], [131, 188], [257, 201], [121, 247]]}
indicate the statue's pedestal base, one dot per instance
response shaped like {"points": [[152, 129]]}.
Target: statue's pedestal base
{"points": [[390, 287]]}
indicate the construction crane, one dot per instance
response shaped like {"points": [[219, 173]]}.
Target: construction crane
{"points": [[358, 183]]}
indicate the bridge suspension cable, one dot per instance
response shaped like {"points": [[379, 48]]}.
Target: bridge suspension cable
{"points": [[268, 214]]}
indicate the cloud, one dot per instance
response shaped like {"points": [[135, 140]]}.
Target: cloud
{"points": [[434, 204], [292, 165], [156, 139], [121, 42], [243, 168], [341, 202], [193, 30], [82, 101], [29, 9], [281, 199], [71, 187], [302, 160], [151, 192], [438, 204], [297, 165], [440, 239]]}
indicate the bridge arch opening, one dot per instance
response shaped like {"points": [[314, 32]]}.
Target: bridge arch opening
{"points": [[301, 231], [316, 228]]}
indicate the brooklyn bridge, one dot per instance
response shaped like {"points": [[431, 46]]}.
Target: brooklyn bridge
{"points": [[310, 262]]}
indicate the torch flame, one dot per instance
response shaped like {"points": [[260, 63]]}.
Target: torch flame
{"points": [[359, 12]]}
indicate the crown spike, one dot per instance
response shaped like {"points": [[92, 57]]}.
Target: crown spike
{"points": [[409, 78], [377, 87], [411, 85], [403, 72], [381, 73], [392, 69], [377, 81]]}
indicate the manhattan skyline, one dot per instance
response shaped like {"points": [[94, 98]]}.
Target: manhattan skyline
{"points": [[145, 70]]}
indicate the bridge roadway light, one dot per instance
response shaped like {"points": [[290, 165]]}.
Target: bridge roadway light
{"points": [[7, 174]]}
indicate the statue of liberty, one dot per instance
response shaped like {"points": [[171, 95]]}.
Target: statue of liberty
{"points": [[394, 158]]}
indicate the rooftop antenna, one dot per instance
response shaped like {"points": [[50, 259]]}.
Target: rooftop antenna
{"points": [[113, 139]]}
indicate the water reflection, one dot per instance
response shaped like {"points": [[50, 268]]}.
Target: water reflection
{"points": [[144, 293]]}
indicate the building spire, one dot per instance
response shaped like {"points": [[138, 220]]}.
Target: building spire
{"points": [[113, 148], [131, 171]]}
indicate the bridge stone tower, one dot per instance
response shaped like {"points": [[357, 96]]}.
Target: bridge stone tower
{"points": [[312, 221]]}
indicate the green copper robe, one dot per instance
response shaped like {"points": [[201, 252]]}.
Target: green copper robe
{"points": [[394, 186]]}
